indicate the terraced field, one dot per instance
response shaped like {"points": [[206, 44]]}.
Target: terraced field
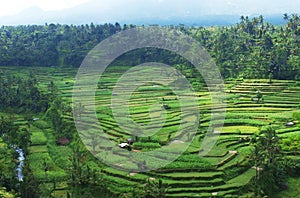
{"points": [[42, 155], [223, 172]]}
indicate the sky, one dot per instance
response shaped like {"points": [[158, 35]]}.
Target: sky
{"points": [[84, 11], [12, 7]]}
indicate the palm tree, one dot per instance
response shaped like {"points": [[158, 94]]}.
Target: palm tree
{"points": [[266, 154], [270, 144], [78, 110], [29, 185], [24, 139], [242, 18], [155, 189]]}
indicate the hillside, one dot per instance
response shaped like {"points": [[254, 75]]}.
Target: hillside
{"points": [[143, 129]]}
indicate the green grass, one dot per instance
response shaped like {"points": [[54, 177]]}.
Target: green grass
{"points": [[238, 129], [37, 136], [234, 183], [293, 189], [189, 175], [39, 162], [242, 179], [38, 149]]}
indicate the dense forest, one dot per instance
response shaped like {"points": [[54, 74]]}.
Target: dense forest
{"points": [[253, 48]]}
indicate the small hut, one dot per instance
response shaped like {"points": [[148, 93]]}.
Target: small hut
{"points": [[130, 141], [63, 141], [289, 124], [123, 145]]}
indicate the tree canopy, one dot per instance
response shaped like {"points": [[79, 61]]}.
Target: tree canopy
{"points": [[252, 48]]}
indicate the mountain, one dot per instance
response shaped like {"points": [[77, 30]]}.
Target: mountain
{"points": [[162, 12]]}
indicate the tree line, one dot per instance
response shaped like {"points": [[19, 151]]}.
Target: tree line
{"points": [[255, 48], [252, 48], [51, 44], [21, 95]]}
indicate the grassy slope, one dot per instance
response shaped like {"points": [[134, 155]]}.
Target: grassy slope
{"points": [[243, 118]]}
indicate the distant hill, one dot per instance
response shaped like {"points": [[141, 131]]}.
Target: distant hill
{"points": [[134, 12]]}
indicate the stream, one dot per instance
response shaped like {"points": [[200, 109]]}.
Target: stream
{"points": [[20, 164]]}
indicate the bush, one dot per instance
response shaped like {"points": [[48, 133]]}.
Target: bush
{"points": [[291, 143], [41, 124], [170, 93], [296, 115], [61, 156], [154, 139], [38, 138], [5, 194], [293, 167]]}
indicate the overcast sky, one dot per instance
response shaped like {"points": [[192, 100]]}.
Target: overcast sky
{"points": [[118, 9], [11, 7]]}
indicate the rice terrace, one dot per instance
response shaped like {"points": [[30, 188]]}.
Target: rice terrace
{"points": [[257, 150], [225, 170]]}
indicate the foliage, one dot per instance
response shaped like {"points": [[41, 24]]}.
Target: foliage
{"points": [[21, 94], [292, 166], [5, 194], [29, 186], [61, 155], [147, 145], [270, 173], [58, 115], [64, 44], [13, 135], [155, 189], [291, 143], [253, 48], [6, 166], [296, 115], [38, 138]]}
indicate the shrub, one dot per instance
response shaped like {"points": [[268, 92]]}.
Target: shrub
{"points": [[170, 93], [38, 138], [296, 115], [293, 167], [154, 139], [5, 194], [291, 143], [41, 124]]}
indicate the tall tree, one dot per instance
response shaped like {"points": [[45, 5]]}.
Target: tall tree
{"points": [[268, 162]]}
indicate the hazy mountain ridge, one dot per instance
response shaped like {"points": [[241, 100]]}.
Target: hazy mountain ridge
{"points": [[150, 12]]}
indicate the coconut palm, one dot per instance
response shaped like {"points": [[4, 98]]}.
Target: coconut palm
{"points": [[266, 157], [154, 189]]}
